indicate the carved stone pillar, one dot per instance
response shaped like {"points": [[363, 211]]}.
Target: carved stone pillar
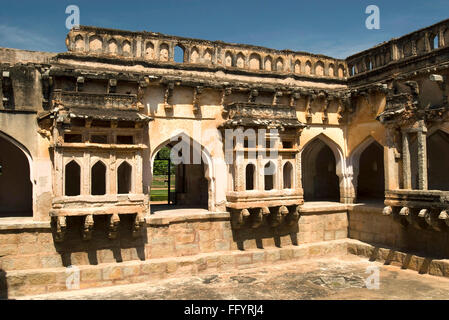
{"points": [[422, 156], [406, 167]]}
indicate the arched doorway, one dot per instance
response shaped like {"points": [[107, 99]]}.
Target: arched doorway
{"points": [[176, 183], [438, 161], [371, 180], [16, 190], [319, 176]]}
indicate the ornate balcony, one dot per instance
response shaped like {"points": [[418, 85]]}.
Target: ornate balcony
{"points": [[73, 99]]}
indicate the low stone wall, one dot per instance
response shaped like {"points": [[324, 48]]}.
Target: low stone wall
{"points": [[30, 245], [367, 224], [30, 282]]}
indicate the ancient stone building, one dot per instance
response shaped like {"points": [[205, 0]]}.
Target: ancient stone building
{"points": [[322, 149]]}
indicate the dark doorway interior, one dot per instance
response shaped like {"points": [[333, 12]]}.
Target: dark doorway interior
{"points": [[15, 186], [371, 181], [320, 181]]}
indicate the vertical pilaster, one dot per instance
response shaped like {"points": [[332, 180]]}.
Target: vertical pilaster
{"points": [[406, 167], [422, 157]]}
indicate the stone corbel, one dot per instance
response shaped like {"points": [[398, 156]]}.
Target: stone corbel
{"points": [[294, 97], [141, 93], [138, 225], [253, 95], [112, 86], [294, 215], [47, 85], [168, 95], [278, 215], [257, 219], [197, 91], [226, 92], [114, 221], [88, 227], [61, 227], [325, 117], [432, 218], [308, 110], [276, 96], [238, 218], [444, 216], [79, 84]]}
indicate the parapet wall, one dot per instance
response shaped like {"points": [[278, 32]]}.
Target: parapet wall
{"points": [[415, 44], [157, 47]]}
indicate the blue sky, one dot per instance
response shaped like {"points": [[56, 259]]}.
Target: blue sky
{"points": [[332, 27]]}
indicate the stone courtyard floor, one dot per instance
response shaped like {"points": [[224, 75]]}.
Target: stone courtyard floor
{"points": [[330, 278]]}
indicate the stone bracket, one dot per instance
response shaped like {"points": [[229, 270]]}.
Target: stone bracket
{"points": [[61, 226], [114, 221], [88, 227], [139, 223]]}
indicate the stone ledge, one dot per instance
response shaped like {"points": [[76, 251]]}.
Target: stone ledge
{"points": [[23, 223], [323, 207], [40, 281], [367, 208], [185, 215]]}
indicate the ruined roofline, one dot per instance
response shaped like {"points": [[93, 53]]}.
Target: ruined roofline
{"points": [[392, 40], [158, 35], [13, 56], [420, 44]]}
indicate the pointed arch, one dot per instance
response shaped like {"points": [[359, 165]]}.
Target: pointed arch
{"points": [[366, 164], [179, 136], [16, 178], [98, 179], [308, 157]]}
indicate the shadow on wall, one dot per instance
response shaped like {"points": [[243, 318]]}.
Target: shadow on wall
{"points": [[100, 249], [265, 236], [3, 285]]}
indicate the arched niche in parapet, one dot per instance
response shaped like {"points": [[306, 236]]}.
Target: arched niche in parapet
{"points": [[319, 68], [438, 160], [255, 62], [268, 63], [341, 71], [95, 44], [208, 55], [112, 47], [331, 70], [164, 52], [367, 163], [279, 64], [149, 50], [407, 49], [240, 62], [194, 55], [421, 44], [446, 37], [387, 56], [126, 48], [79, 43], [228, 59], [179, 54], [434, 41], [308, 67], [297, 67]]}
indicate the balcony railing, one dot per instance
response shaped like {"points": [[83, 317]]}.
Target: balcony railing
{"points": [[96, 100]]}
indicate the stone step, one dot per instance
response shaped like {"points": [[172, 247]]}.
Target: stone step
{"points": [[40, 281]]}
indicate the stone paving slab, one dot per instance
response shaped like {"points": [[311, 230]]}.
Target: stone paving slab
{"points": [[342, 277]]}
